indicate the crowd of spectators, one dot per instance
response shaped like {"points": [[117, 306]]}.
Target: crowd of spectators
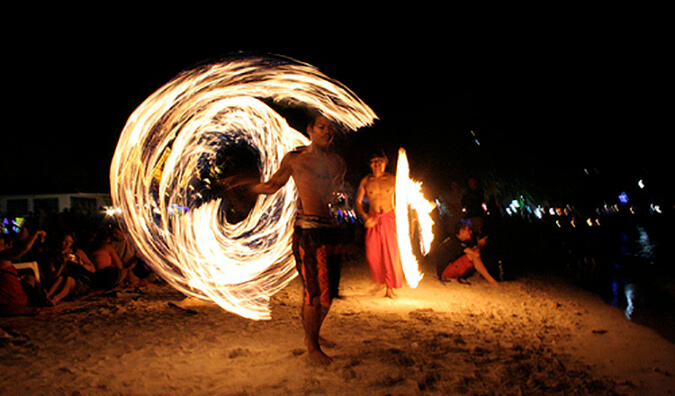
{"points": [[77, 253]]}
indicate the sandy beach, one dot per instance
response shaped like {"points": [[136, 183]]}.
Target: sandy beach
{"points": [[532, 335]]}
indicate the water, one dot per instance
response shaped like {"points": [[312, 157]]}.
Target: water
{"points": [[630, 264], [640, 275], [627, 261]]}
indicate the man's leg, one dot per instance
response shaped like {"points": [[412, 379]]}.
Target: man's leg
{"points": [[480, 267], [313, 317]]}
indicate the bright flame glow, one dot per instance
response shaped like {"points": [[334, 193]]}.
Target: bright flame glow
{"points": [[184, 124], [409, 196]]}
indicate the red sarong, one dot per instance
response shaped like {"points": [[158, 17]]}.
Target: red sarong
{"points": [[382, 251]]}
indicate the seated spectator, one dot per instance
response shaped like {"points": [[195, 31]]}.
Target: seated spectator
{"points": [[18, 295], [109, 269], [71, 271], [457, 256], [137, 272]]}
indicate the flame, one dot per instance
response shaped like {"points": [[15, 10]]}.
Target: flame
{"points": [[409, 196], [163, 147]]}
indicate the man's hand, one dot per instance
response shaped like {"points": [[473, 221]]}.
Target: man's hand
{"points": [[371, 222]]}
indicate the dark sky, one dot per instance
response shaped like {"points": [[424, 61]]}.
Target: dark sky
{"points": [[563, 97]]}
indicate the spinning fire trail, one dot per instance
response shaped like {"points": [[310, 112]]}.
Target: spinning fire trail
{"points": [[157, 178]]}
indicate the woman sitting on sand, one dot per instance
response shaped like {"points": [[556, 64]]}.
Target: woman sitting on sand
{"points": [[71, 271]]}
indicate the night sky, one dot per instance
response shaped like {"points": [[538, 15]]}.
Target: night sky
{"points": [[543, 100]]}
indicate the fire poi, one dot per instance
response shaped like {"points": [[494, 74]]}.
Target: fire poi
{"points": [[158, 182]]}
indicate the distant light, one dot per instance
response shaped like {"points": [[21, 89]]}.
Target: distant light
{"points": [[111, 211], [623, 198], [539, 212], [641, 184]]}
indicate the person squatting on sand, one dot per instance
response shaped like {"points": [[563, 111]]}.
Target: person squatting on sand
{"points": [[381, 244], [458, 255], [318, 172]]}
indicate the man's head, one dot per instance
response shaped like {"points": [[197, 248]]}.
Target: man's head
{"points": [[117, 233], [463, 231], [378, 162], [321, 131]]}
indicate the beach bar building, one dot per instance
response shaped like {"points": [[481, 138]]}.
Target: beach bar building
{"points": [[24, 205]]}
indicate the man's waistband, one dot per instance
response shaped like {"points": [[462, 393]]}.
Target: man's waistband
{"points": [[307, 222]]}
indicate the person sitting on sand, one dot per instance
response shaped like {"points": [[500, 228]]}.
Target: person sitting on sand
{"points": [[110, 271], [18, 295], [458, 255], [381, 244], [136, 271], [71, 271]]}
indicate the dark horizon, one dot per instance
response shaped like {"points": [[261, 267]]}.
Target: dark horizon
{"points": [[542, 104]]}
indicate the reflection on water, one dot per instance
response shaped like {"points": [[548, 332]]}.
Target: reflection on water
{"points": [[640, 245], [626, 261], [635, 274]]}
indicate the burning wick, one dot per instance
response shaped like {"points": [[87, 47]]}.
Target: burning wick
{"points": [[409, 197]]}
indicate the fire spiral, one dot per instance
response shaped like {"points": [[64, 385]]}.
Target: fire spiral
{"points": [[160, 175]]}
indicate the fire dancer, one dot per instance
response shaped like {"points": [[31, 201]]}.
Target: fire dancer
{"points": [[380, 221], [318, 171]]}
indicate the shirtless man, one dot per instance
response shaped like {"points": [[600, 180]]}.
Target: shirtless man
{"points": [[318, 172], [381, 245]]}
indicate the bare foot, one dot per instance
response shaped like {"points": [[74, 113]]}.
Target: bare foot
{"points": [[390, 293], [326, 342], [377, 288], [319, 357]]}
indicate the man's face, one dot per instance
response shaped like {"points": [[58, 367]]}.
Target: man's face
{"points": [[118, 234], [321, 132], [465, 234], [378, 164]]}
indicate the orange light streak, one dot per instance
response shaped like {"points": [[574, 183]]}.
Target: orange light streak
{"points": [[237, 266], [409, 196]]}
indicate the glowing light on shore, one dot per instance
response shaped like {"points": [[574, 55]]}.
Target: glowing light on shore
{"points": [[155, 175], [409, 196]]}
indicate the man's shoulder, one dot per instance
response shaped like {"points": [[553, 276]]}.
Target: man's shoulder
{"points": [[296, 152]]}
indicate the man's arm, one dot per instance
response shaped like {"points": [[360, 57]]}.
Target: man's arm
{"points": [[368, 222], [360, 195], [278, 179]]}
